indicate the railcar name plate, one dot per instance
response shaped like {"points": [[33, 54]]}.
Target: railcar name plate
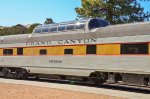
{"points": [[63, 42]]}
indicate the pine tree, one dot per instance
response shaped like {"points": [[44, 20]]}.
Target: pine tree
{"points": [[115, 11], [49, 21], [89, 8]]}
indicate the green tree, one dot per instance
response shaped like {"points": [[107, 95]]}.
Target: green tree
{"points": [[31, 28], [19, 29], [6, 31], [115, 11], [89, 8], [48, 21]]}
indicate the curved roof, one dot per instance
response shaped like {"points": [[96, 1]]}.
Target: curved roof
{"points": [[133, 32], [88, 23]]}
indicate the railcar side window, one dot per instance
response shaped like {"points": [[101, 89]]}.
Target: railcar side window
{"points": [[103, 23], [8, 52], [70, 27], [62, 28], [68, 51], [19, 51], [53, 29], [43, 52], [91, 49], [80, 26], [94, 24], [38, 30], [134, 48], [45, 29]]}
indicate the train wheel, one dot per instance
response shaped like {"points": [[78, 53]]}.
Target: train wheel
{"points": [[6, 72], [21, 74], [97, 78], [62, 77]]}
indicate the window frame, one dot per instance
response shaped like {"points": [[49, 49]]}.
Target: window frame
{"points": [[78, 27], [134, 48], [54, 27], [103, 23], [43, 51], [19, 51], [7, 51], [62, 28], [93, 21], [70, 29], [45, 28], [68, 51], [90, 50], [39, 29]]}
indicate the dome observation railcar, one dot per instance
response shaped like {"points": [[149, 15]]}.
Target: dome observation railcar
{"points": [[84, 24], [87, 49]]}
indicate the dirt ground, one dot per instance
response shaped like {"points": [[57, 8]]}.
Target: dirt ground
{"points": [[12, 91]]}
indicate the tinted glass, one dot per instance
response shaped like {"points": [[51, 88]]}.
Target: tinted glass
{"points": [[45, 29], [19, 51], [68, 51], [134, 48], [91, 49], [80, 26], [70, 27], [53, 29], [94, 24], [61, 28], [103, 23], [8, 51], [37, 30], [43, 52]]}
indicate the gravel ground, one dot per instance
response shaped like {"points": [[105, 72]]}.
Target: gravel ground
{"points": [[13, 91]]}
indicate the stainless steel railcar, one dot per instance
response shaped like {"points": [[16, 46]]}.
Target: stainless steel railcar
{"points": [[89, 48]]}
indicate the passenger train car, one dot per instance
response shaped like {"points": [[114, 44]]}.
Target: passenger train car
{"points": [[90, 49]]}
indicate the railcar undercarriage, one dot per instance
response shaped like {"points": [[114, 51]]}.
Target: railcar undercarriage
{"points": [[96, 77], [14, 73]]}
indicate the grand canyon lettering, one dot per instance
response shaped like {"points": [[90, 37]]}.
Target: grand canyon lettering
{"points": [[63, 42]]}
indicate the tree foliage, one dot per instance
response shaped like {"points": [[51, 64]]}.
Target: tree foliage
{"points": [[31, 28], [89, 8], [48, 21], [115, 11], [17, 29], [20, 29]]}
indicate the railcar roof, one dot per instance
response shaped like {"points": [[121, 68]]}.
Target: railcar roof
{"points": [[131, 29], [64, 23], [63, 26]]}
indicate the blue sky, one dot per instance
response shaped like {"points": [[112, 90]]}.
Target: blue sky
{"points": [[36, 11]]}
